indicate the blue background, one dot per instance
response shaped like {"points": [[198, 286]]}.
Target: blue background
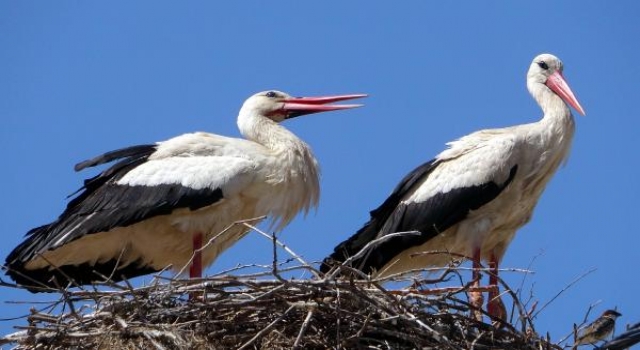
{"points": [[81, 78]]}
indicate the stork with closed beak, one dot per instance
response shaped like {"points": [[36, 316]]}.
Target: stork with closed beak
{"points": [[473, 197], [156, 206]]}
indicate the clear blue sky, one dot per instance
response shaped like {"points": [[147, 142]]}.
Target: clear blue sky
{"points": [[81, 78]]}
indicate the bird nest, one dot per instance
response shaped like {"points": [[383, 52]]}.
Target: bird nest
{"points": [[263, 307]]}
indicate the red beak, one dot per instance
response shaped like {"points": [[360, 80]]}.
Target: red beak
{"points": [[557, 83], [297, 106]]}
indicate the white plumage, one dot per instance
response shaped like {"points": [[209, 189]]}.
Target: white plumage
{"points": [[159, 203], [473, 197]]}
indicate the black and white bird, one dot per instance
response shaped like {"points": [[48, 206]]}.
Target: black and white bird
{"points": [[473, 197], [598, 330], [159, 204]]}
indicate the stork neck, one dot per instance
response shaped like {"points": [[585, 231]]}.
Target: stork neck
{"points": [[554, 133], [267, 132], [554, 108], [297, 169]]}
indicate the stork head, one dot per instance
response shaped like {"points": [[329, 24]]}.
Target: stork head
{"points": [[278, 106], [546, 69]]}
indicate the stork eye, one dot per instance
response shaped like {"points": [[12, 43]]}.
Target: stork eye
{"points": [[543, 65], [271, 94]]}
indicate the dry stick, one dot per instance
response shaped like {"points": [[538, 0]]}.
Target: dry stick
{"points": [[153, 341], [115, 267], [254, 275], [524, 278], [521, 289], [266, 329], [274, 268], [514, 296], [470, 307], [625, 340], [41, 286], [363, 277], [468, 288], [446, 269], [49, 305], [106, 281], [68, 301], [432, 269], [366, 248], [389, 295], [338, 308], [303, 329], [419, 284], [576, 327], [564, 289], [524, 316], [364, 326], [475, 341], [403, 275], [315, 272], [237, 268], [156, 276], [269, 292], [439, 337], [442, 290], [586, 315]]}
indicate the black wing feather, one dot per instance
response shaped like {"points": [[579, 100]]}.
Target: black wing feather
{"points": [[100, 206], [379, 216], [127, 152], [430, 218]]}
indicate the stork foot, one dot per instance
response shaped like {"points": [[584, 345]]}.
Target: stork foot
{"points": [[476, 299], [495, 306]]}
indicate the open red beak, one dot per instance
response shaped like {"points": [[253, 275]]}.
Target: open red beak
{"points": [[557, 83], [297, 106]]}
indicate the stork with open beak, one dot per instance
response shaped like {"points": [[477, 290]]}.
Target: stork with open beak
{"points": [[473, 197], [159, 203]]}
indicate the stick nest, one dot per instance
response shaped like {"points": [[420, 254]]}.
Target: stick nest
{"points": [[255, 307], [266, 311]]}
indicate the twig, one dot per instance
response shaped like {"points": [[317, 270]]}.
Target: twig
{"points": [[274, 267], [297, 257], [563, 290], [303, 329], [524, 277], [625, 340], [366, 248], [266, 329], [577, 327]]}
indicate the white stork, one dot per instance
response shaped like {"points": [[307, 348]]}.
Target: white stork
{"points": [[158, 203], [473, 197]]}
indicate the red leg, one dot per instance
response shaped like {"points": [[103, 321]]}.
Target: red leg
{"points": [[495, 306], [493, 267], [195, 270], [476, 266]]}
